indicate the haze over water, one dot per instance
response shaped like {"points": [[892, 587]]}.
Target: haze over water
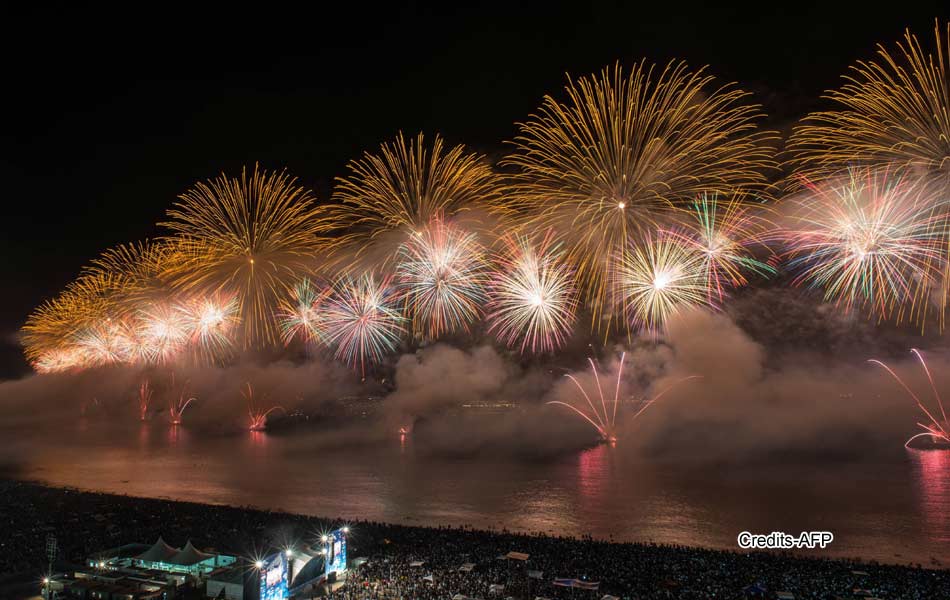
{"points": [[893, 510]]}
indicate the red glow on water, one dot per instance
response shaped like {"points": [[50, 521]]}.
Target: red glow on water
{"points": [[593, 471], [933, 467]]}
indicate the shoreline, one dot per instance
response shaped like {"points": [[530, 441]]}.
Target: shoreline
{"points": [[86, 522], [409, 522]]}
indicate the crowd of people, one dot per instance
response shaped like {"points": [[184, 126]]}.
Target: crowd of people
{"points": [[441, 562]]}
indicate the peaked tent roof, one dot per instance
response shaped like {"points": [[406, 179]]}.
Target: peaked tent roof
{"points": [[159, 552], [188, 556]]}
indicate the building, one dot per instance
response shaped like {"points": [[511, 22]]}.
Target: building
{"points": [[160, 556]]}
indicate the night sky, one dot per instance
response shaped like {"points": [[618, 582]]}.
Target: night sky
{"points": [[108, 116]]}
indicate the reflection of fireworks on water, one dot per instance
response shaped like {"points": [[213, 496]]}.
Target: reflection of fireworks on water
{"points": [[145, 398], [257, 415], [939, 426], [532, 296], [177, 405], [602, 415], [442, 275]]}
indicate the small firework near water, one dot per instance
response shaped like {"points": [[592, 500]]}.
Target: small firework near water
{"points": [[937, 426], [602, 413], [533, 300], [145, 399], [178, 402], [874, 242], [257, 415]]}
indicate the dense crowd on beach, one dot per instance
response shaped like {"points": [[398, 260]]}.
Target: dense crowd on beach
{"points": [[428, 563]]}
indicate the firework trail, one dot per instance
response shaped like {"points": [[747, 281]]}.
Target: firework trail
{"points": [[251, 238], [404, 187], [875, 241], [602, 413], [533, 300], [938, 427], [441, 274], [361, 320], [726, 234], [145, 399], [659, 278], [177, 406], [257, 416], [893, 112], [624, 153]]}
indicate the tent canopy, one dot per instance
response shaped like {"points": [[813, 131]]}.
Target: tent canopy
{"points": [[188, 556], [159, 552]]}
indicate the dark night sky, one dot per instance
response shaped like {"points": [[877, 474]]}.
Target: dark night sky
{"points": [[108, 116]]}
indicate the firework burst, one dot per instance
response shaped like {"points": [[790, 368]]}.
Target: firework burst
{"points": [[937, 426], [726, 234], [624, 153], [391, 195], [252, 238], [441, 273], [893, 112], [659, 278], [532, 296], [302, 317], [873, 241], [361, 319]]}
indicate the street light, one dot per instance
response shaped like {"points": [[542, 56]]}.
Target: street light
{"points": [[259, 564], [288, 553], [346, 529]]}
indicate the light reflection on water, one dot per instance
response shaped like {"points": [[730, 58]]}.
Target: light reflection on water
{"points": [[893, 511]]}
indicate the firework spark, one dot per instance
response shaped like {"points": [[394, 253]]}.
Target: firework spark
{"points": [[251, 238], [874, 241], [441, 273], [659, 278], [361, 319], [532, 296], [938, 426], [602, 413], [624, 153]]}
